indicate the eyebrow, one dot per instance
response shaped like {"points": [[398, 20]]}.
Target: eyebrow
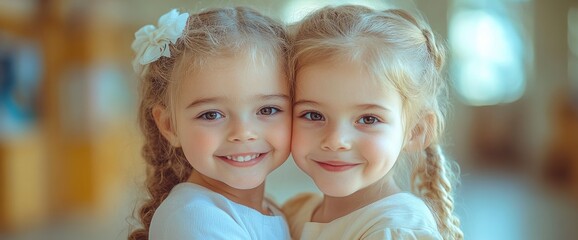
{"points": [[305, 102], [363, 106], [203, 101], [274, 96], [373, 106], [218, 99]]}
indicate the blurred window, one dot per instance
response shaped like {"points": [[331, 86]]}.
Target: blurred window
{"points": [[487, 52], [20, 71]]}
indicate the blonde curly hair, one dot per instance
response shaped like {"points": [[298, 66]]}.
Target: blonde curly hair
{"points": [[210, 33]]}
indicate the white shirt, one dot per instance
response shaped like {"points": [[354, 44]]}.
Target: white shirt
{"points": [[399, 216], [193, 212]]}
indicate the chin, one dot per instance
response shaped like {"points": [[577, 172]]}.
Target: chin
{"points": [[334, 190], [246, 183]]}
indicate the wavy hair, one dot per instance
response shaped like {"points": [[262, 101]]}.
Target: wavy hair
{"points": [[211, 33]]}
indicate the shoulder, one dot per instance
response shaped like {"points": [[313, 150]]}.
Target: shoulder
{"points": [[298, 211], [403, 215], [405, 210], [191, 198], [300, 203], [403, 233], [295, 203], [190, 212], [405, 203]]}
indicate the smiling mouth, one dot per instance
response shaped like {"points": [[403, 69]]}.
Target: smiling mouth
{"points": [[243, 158], [335, 166]]}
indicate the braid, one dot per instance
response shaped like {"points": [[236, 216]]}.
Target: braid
{"points": [[432, 180], [166, 167], [401, 51], [436, 50]]}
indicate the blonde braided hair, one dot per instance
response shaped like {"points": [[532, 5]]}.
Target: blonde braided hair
{"points": [[403, 53], [432, 179]]}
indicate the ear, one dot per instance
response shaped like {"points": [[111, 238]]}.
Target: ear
{"points": [[163, 121], [419, 136]]}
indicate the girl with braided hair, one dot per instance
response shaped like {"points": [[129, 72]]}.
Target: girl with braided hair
{"points": [[215, 110], [370, 101]]}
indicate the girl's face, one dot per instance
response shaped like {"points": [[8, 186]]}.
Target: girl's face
{"points": [[233, 120], [347, 128]]}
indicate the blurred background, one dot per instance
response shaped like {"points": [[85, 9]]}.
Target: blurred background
{"points": [[69, 143]]}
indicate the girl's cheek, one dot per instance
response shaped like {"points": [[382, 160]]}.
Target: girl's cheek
{"points": [[281, 135], [300, 142], [374, 145], [380, 149], [203, 139]]}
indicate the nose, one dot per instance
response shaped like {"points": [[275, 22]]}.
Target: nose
{"points": [[336, 139], [241, 131]]}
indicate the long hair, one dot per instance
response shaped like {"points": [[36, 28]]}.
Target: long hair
{"points": [[401, 52], [211, 33]]}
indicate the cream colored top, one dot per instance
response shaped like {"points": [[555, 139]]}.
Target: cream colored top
{"points": [[399, 216]]}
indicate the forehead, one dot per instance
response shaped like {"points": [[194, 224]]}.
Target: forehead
{"points": [[344, 85], [233, 76], [342, 77]]}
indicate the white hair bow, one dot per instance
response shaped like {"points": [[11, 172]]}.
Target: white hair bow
{"points": [[153, 42]]}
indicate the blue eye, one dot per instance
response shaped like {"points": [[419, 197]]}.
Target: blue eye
{"points": [[368, 120], [313, 116], [268, 111], [212, 115]]}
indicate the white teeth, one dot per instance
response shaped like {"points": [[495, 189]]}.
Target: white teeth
{"points": [[243, 158]]}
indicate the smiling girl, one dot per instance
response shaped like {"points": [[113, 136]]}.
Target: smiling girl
{"points": [[215, 111], [370, 98]]}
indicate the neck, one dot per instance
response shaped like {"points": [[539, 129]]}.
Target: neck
{"points": [[253, 198], [332, 208]]}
